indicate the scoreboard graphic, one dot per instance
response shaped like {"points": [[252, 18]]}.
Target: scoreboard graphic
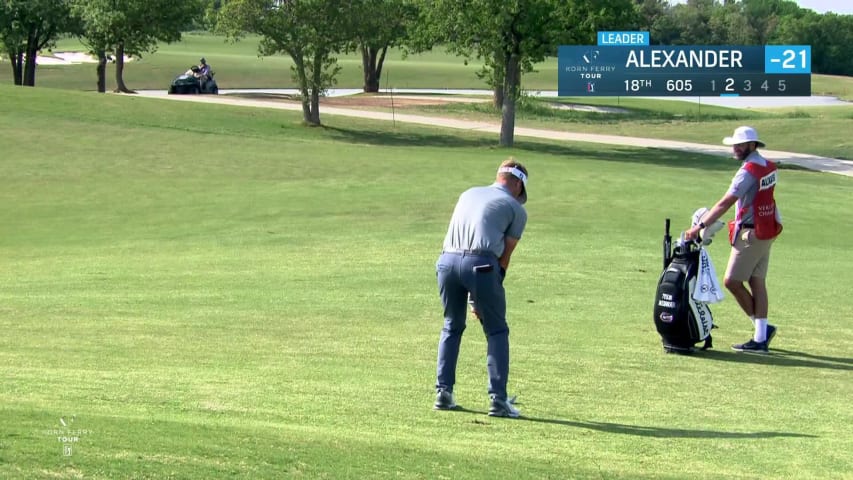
{"points": [[643, 70]]}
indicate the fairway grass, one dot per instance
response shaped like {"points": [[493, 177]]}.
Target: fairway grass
{"points": [[215, 292]]}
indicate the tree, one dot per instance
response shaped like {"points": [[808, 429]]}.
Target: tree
{"points": [[309, 31], [693, 21], [211, 13], [729, 26], [377, 26], [27, 27], [830, 36], [651, 13], [509, 36], [131, 28], [763, 16], [93, 36]]}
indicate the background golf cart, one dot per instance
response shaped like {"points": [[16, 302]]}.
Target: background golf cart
{"points": [[189, 84]]}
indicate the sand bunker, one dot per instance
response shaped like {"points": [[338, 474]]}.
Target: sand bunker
{"points": [[70, 58]]}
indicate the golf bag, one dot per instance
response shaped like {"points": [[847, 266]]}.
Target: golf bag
{"points": [[681, 321]]}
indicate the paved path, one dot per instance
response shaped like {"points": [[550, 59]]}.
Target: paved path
{"points": [[811, 162]]}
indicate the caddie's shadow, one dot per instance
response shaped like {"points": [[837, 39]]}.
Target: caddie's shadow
{"points": [[781, 358], [643, 431]]}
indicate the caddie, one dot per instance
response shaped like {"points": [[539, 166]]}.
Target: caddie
{"points": [[756, 225]]}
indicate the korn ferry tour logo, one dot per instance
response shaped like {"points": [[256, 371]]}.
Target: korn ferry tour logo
{"points": [[587, 64], [68, 432], [581, 68]]}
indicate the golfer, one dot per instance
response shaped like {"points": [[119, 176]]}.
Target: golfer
{"points": [[485, 228], [756, 225]]}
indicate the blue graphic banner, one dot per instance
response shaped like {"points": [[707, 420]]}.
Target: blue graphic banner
{"points": [[772, 70]]}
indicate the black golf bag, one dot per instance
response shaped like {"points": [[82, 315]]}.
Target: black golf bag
{"points": [[681, 321]]}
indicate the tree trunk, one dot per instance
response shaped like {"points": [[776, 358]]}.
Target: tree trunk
{"points": [[372, 60], [315, 107], [368, 69], [17, 61], [30, 63], [302, 81], [120, 86], [102, 71], [305, 96], [316, 88], [499, 78], [379, 64], [513, 83]]}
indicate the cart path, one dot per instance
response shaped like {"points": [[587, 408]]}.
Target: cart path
{"points": [[811, 162]]}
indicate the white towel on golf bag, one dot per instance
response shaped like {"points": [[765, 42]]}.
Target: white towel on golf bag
{"points": [[707, 288]]}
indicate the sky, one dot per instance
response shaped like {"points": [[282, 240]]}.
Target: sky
{"points": [[819, 6]]}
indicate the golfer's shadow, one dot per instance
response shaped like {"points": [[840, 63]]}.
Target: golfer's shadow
{"points": [[642, 431], [781, 358]]}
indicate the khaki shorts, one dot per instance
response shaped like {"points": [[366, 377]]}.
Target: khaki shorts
{"points": [[750, 257]]}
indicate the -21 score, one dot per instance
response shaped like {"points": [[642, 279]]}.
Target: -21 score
{"points": [[730, 85]]}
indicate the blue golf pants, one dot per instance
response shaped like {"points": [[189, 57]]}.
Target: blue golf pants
{"points": [[457, 277]]}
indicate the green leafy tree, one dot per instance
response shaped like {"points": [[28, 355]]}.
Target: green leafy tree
{"points": [[377, 26], [211, 13], [311, 32], [651, 17], [729, 26], [763, 16], [131, 28], [830, 36], [693, 21], [92, 34], [27, 27], [510, 36]]}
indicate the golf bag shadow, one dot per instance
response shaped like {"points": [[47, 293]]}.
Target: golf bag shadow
{"points": [[681, 321]]}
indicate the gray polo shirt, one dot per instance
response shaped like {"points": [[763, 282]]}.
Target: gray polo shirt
{"points": [[483, 217], [744, 186]]}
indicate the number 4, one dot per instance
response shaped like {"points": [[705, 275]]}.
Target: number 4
{"points": [[765, 86]]}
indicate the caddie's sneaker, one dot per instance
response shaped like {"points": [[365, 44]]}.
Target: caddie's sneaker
{"points": [[751, 347], [771, 332], [503, 408], [444, 400]]}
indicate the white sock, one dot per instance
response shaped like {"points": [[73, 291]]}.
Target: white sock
{"points": [[760, 330]]}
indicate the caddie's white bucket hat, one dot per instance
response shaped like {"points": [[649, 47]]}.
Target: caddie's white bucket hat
{"points": [[743, 135]]}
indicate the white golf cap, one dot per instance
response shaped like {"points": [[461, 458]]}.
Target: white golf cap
{"points": [[519, 174], [743, 135]]}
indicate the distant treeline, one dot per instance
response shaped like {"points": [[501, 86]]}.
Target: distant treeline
{"points": [[752, 22]]}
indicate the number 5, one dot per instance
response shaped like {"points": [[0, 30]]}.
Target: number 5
{"points": [[782, 85]]}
